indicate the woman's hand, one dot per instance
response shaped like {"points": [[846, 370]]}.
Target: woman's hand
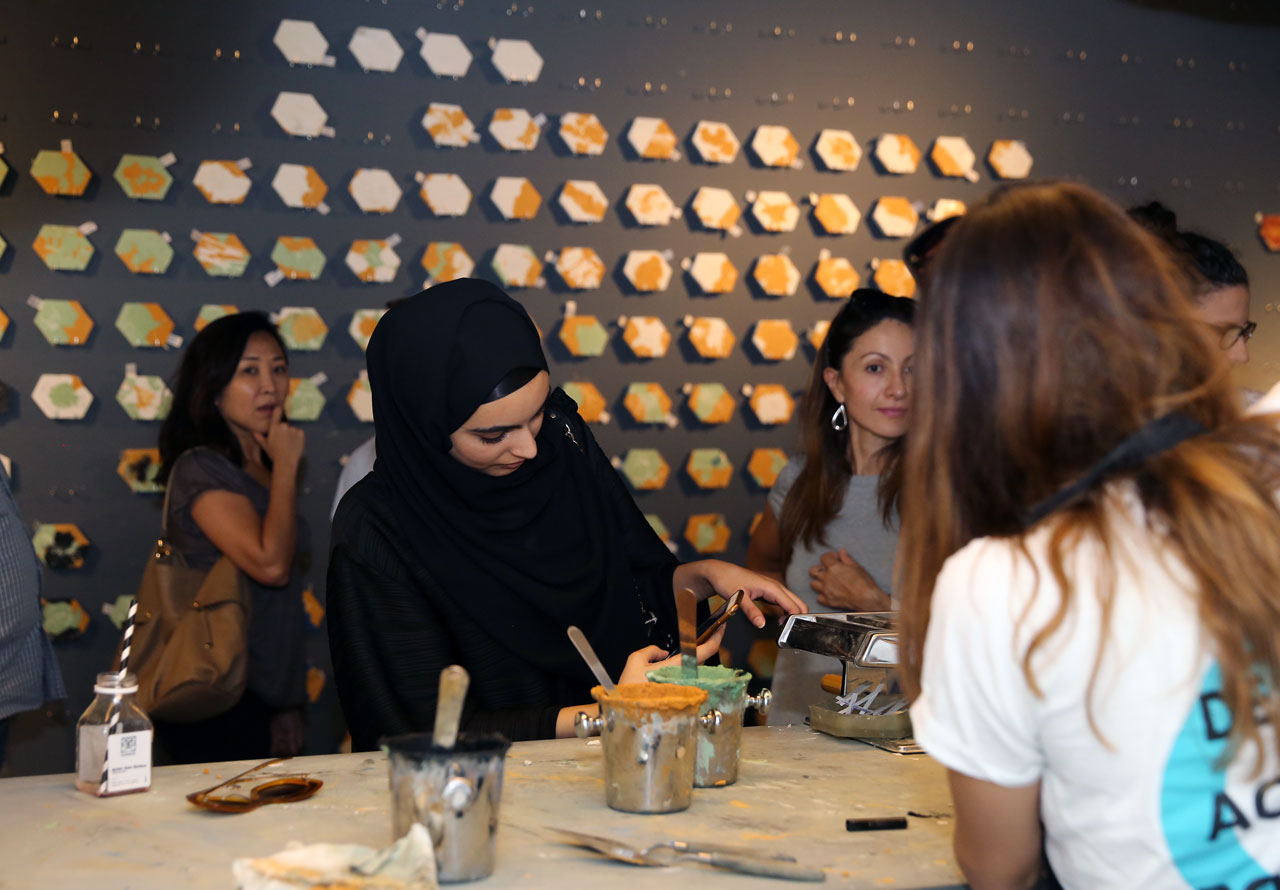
{"points": [[713, 576], [650, 658], [282, 443], [843, 585]]}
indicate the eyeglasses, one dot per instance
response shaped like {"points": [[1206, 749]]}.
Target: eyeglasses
{"points": [[1228, 334], [281, 789]]}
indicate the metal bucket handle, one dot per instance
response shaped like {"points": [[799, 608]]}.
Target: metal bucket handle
{"points": [[760, 702]]}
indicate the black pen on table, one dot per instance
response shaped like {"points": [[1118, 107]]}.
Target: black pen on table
{"points": [[888, 823]]}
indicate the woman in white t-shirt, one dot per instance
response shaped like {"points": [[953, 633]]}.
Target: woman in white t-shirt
{"points": [[1090, 559]]}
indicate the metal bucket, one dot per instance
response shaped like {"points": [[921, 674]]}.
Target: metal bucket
{"points": [[454, 793], [718, 752], [648, 740]]}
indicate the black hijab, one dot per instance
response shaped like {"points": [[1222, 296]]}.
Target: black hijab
{"points": [[524, 555]]}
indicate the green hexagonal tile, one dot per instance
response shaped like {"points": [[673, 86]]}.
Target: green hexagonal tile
{"points": [[645, 469], [221, 254], [143, 177], [711, 403], [709, 468], [707, 532], [298, 258], [4, 245], [301, 328], [583, 335], [60, 172], [64, 619], [60, 545], [63, 322], [591, 404], [63, 248], [144, 324], [144, 251], [659, 527], [144, 396], [212, 312], [140, 469], [62, 396], [305, 401], [647, 402], [4, 171]]}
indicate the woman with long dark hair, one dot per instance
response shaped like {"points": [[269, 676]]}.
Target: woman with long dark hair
{"points": [[1090, 560], [830, 528], [230, 462]]}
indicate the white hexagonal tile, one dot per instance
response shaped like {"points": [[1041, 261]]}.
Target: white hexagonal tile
{"points": [[716, 208], [1010, 159], [445, 54], [515, 197], [448, 125], [446, 261], [222, 182], [445, 194], [897, 153], [583, 133], [299, 185], [775, 211], [650, 204], [301, 43], [775, 146], [61, 396], [945, 208], [516, 60], [583, 201], [376, 49], [715, 142], [580, 267], [515, 129], [895, 217], [652, 139], [300, 114], [838, 150], [516, 265], [713, 272], [374, 260], [835, 276], [360, 398], [952, 156], [374, 190]]}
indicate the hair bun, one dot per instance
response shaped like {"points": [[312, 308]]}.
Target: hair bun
{"points": [[1157, 218]]}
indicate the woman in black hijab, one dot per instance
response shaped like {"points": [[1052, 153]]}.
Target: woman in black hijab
{"points": [[491, 522]]}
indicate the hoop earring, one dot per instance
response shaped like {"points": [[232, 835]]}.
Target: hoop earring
{"points": [[840, 419]]}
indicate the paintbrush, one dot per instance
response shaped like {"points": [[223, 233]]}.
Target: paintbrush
{"points": [[687, 610]]}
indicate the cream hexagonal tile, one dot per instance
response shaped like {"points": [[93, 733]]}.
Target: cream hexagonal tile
{"points": [[583, 201], [710, 337], [775, 339], [445, 194], [142, 177], [945, 208], [895, 217], [63, 248], [305, 401], [222, 182], [1010, 159], [838, 150], [583, 336], [221, 254], [645, 335], [360, 398], [61, 172], [709, 468], [644, 468], [63, 322], [515, 197], [712, 272], [707, 532], [515, 129], [210, 312], [300, 114], [301, 328], [299, 185], [62, 545], [1268, 230], [817, 333], [297, 258], [143, 396], [582, 133], [61, 396], [952, 156], [771, 403], [146, 325], [516, 265], [446, 261], [516, 60], [591, 404], [580, 267], [448, 126], [716, 208], [835, 276], [302, 43], [776, 275], [647, 403], [145, 251], [374, 190], [445, 54], [374, 260], [650, 205], [711, 403], [897, 153], [652, 139], [140, 470], [774, 211], [375, 49], [836, 213], [647, 270], [775, 146], [715, 142], [363, 321], [893, 277]]}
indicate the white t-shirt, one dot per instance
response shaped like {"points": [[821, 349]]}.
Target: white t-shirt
{"points": [[1142, 807]]}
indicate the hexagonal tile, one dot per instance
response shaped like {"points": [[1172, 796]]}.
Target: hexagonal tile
{"points": [[144, 251], [774, 339], [775, 146], [447, 260], [212, 312], [647, 402], [142, 177], [583, 336], [60, 545], [711, 403], [445, 54], [4, 171], [360, 398], [301, 43], [837, 214], [645, 335], [140, 469], [945, 208], [515, 197], [776, 275], [652, 139], [1010, 159], [445, 194], [221, 254], [895, 217], [707, 532], [299, 185], [897, 153], [144, 396], [63, 248], [373, 260], [63, 619], [4, 324], [516, 60], [448, 126], [591, 403], [63, 322], [582, 133], [952, 156], [297, 257], [61, 172], [709, 468], [650, 205], [716, 208], [515, 129], [715, 142], [836, 277], [765, 464], [771, 403], [301, 328], [647, 270], [583, 201], [363, 321], [300, 114], [713, 272], [659, 528], [145, 325], [817, 333], [1269, 230], [374, 190], [222, 182], [61, 396], [775, 211], [838, 150], [4, 245], [305, 401], [893, 277], [645, 468], [710, 337], [376, 49], [516, 265], [580, 268]]}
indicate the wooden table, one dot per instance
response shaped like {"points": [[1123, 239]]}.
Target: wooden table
{"points": [[795, 790]]}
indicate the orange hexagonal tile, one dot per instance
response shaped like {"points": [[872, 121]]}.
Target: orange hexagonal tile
{"points": [[835, 276], [771, 403], [945, 208], [711, 403], [1010, 159], [591, 404], [582, 133], [647, 403], [952, 156], [716, 208], [644, 468], [709, 468], [645, 335], [583, 336], [647, 270], [360, 398], [445, 194], [1269, 230], [893, 277], [774, 211], [710, 337], [363, 321], [713, 272], [222, 182], [580, 267], [715, 142], [4, 324], [897, 153], [210, 312], [707, 532], [448, 126], [583, 201], [895, 217], [516, 265], [838, 150], [61, 172], [765, 464], [776, 275], [446, 261], [515, 197], [774, 146], [301, 328], [140, 469], [515, 129], [650, 205], [775, 339], [653, 139], [836, 213], [817, 333]]}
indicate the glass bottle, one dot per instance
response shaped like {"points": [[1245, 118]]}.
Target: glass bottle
{"points": [[128, 746]]}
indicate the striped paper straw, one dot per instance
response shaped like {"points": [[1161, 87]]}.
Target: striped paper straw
{"points": [[113, 716]]}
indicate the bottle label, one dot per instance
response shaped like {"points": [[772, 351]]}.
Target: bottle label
{"points": [[128, 761]]}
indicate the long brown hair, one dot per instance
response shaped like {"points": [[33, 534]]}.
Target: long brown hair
{"points": [[816, 496], [1053, 328]]}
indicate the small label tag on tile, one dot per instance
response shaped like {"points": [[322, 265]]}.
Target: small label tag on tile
{"points": [[272, 278], [196, 235], [131, 369], [174, 341], [320, 378], [87, 228], [328, 132], [327, 61], [244, 163], [419, 177], [34, 302], [540, 119], [66, 145], [421, 34], [168, 159], [322, 208], [168, 239], [392, 240]]}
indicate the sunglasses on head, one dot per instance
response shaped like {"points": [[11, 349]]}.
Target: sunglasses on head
{"points": [[225, 797]]}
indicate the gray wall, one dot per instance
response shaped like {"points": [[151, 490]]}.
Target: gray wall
{"points": [[1129, 99]]}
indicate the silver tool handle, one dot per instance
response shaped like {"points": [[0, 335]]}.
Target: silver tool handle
{"points": [[761, 702], [711, 720], [585, 726], [768, 868]]}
